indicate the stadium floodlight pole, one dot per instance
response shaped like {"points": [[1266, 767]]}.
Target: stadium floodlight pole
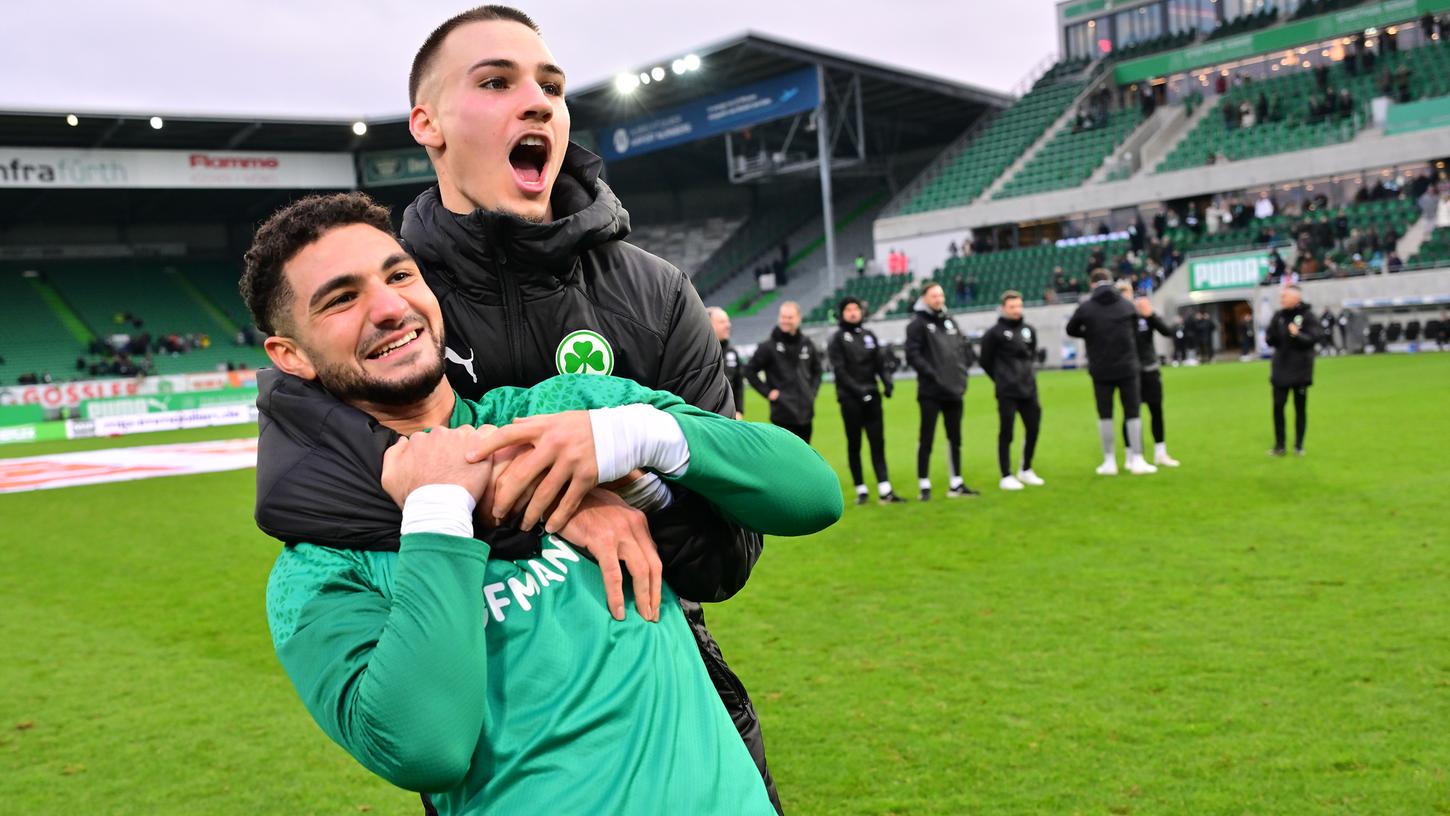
{"points": [[823, 147]]}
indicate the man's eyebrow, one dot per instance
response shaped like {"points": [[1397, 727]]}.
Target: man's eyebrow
{"points": [[510, 65], [354, 278], [339, 282]]}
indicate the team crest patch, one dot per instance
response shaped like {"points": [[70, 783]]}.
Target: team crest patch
{"points": [[584, 352]]}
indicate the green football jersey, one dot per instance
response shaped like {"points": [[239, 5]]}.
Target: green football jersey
{"points": [[505, 686]]}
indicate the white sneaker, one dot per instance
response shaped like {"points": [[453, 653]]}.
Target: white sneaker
{"points": [[1138, 466], [1162, 458], [1108, 468], [1027, 477], [1010, 482]]}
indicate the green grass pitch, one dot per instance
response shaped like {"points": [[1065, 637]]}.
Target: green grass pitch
{"points": [[1242, 635]]}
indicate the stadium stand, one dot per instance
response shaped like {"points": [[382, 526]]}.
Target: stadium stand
{"points": [[999, 144], [1245, 23], [688, 244], [763, 232], [874, 291], [33, 340], [159, 309], [1071, 156], [1434, 252], [1291, 97]]}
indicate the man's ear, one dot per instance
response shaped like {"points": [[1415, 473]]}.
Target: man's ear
{"points": [[424, 126], [289, 357]]}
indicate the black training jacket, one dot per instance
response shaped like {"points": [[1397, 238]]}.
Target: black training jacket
{"points": [[1143, 335], [941, 355], [1107, 321], [791, 364], [1293, 362], [734, 374], [522, 302], [1009, 354], [858, 362]]}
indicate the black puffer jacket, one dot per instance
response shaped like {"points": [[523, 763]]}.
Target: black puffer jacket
{"points": [[1009, 352], [1108, 322], [1143, 336], [858, 362], [1293, 363], [941, 355], [515, 298], [791, 364]]}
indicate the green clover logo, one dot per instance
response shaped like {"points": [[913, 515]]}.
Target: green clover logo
{"points": [[584, 352]]}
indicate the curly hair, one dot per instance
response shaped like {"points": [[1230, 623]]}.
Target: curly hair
{"points": [[289, 231]]}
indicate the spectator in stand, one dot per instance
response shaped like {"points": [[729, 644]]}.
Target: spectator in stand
{"points": [[1264, 207], [1276, 265], [860, 265], [1261, 107], [1393, 263], [1230, 115], [952, 250], [1321, 77], [1059, 280], [1247, 119], [1442, 211]]}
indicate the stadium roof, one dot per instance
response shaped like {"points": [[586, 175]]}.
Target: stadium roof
{"points": [[888, 92]]}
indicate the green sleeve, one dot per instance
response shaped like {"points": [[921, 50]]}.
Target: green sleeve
{"points": [[398, 682], [760, 477]]}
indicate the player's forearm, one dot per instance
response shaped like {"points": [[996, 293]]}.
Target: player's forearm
{"points": [[406, 698], [762, 477]]}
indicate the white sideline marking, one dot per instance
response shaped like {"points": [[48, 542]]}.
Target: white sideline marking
{"points": [[125, 464]]}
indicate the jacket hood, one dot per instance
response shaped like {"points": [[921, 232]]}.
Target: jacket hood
{"points": [[586, 214], [1008, 323], [844, 326], [920, 308], [1105, 293]]}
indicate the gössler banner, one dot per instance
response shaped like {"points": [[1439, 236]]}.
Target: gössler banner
{"points": [[1227, 271]]}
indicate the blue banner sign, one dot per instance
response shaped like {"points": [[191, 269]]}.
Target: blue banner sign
{"points": [[764, 101]]}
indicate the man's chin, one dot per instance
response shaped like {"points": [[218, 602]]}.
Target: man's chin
{"points": [[407, 389]]}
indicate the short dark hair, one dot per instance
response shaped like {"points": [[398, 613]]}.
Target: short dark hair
{"points": [[928, 286], [423, 60], [1100, 275], [286, 233], [1010, 294]]}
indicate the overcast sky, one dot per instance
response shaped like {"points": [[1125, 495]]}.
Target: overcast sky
{"points": [[334, 59]]}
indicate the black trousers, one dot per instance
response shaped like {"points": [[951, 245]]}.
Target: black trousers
{"points": [[803, 431], [1007, 410], [1150, 387], [1301, 413], [861, 416], [1129, 394], [951, 414]]}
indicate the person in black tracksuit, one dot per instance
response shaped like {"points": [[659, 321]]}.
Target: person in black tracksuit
{"points": [[791, 369], [1180, 342], [941, 355], [1009, 352], [1150, 378], [858, 362], [524, 301], [1293, 333], [1107, 322], [734, 364]]}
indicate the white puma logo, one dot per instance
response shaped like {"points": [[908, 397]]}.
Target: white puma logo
{"points": [[453, 357]]}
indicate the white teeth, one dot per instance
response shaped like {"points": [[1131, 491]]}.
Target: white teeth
{"points": [[402, 341], [532, 141]]}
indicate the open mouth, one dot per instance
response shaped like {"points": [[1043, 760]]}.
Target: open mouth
{"points": [[395, 345], [529, 159]]}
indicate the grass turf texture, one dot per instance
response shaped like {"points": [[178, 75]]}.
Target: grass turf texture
{"points": [[1243, 635]]}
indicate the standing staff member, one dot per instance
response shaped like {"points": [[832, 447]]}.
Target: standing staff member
{"points": [[858, 362], [734, 370], [1293, 333], [1106, 321], [941, 355], [1150, 378], [1009, 350], [792, 369]]}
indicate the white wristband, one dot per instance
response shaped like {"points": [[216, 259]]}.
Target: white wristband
{"points": [[439, 508], [647, 494], [637, 436]]}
